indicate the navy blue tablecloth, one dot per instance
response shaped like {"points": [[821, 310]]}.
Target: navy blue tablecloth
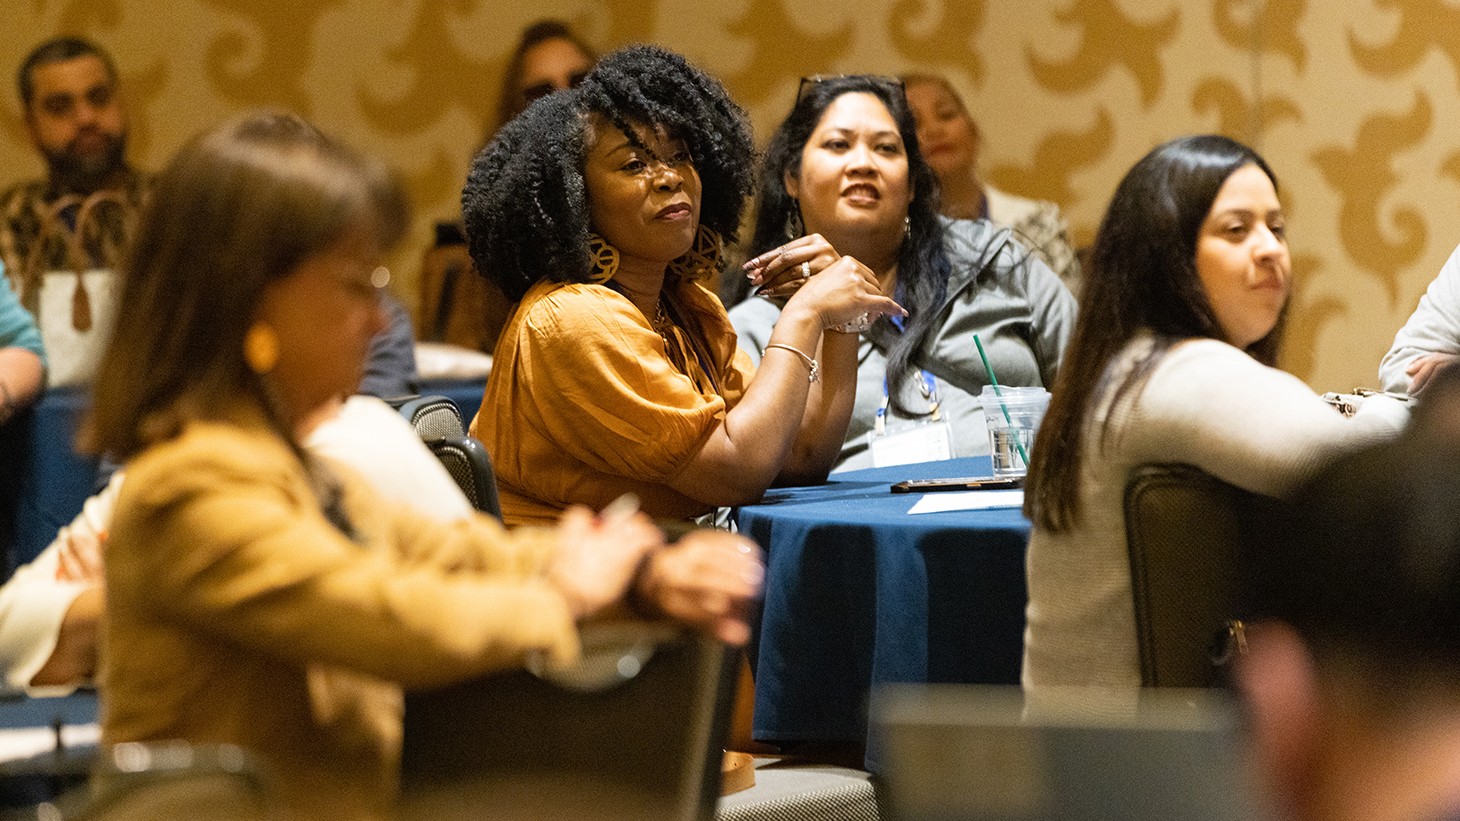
{"points": [[859, 593], [46, 479]]}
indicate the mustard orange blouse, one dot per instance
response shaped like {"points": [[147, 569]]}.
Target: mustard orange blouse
{"points": [[586, 401]]}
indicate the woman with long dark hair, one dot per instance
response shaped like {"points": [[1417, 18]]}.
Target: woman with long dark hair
{"points": [[843, 177], [1172, 361]]}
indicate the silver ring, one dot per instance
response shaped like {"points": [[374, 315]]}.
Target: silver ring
{"points": [[806, 269]]}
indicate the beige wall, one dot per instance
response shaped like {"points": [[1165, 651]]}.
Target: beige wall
{"points": [[1349, 101]]}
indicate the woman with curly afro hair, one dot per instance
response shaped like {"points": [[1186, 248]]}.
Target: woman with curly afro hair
{"points": [[604, 209]]}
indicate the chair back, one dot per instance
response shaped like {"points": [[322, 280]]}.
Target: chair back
{"points": [[439, 423], [1183, 531], [471, 468], [635, 730], [431, 416]]}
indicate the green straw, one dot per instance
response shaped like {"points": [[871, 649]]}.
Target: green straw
{"points": [[989, 369]]}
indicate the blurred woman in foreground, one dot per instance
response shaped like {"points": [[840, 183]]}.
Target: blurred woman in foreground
{"points": [[256, 595], [1172, 361]]}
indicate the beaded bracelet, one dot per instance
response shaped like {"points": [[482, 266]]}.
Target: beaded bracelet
{"points": [[815, 375]]}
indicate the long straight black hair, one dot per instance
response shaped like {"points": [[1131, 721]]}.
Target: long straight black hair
{"points": [[922, 261], [1142, 276]]}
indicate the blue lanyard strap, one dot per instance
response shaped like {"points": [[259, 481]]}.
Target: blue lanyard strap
{"points": [[929, 388]]}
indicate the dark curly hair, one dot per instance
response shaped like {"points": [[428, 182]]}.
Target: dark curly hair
{"points": [[525, 203], [922, 262]]}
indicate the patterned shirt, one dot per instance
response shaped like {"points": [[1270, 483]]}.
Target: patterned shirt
{"points": [[37, 221], [1041, 227]]}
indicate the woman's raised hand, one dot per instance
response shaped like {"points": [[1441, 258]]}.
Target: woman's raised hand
{"points": [[598, 555], [780, 272], [846, 292]]}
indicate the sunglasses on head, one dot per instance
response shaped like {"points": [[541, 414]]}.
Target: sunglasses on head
{"points": [[538, 90], [893, 85]]}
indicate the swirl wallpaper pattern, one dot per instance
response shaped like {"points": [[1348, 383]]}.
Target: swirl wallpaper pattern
{"points": [[1349, 102]]}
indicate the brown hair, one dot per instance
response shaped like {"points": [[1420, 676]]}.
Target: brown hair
{"points": [[512, 102], [936, 80], [239, 207]]}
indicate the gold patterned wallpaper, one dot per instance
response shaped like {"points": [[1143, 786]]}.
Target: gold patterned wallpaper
{"points": [[1348, 101]]}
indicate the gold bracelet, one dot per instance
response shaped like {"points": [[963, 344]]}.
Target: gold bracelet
{"points": [[815, 375]]}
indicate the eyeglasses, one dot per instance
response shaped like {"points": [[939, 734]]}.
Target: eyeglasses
{"points": [[370, 288], [892, 85], [538, 90]]}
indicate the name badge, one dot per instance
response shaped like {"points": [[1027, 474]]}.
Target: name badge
{"points": [[929, 442]]}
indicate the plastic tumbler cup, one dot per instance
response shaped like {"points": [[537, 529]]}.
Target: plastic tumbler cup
{"points": [[1013, 419]]}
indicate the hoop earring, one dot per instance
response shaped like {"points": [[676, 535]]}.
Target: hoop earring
{"points": [[794, 228], [702, 260], [261, 348], [602, 259]]}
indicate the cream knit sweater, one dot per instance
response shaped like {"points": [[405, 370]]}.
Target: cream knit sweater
{"points": [[1206, 404]]}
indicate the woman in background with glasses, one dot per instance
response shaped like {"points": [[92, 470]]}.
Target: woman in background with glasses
{"points": [[456, 307], [604, 210], [843, 176]]}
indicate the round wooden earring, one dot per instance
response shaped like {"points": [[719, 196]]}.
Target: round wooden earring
{"points": [[603, 258], [261, 348]]}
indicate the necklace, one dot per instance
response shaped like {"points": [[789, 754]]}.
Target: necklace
{"points": [[662, 323]]}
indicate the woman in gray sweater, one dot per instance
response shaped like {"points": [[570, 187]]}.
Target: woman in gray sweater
{"points": [[843, 176]]}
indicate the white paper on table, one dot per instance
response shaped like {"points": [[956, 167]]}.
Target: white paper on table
{"points": [[29, 741], [968, 500]]}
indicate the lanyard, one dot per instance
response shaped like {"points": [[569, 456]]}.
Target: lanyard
{"points": [[929, 388], [927, 385]]}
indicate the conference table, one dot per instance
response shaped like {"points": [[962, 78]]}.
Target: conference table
{"points": [[859, 593]]}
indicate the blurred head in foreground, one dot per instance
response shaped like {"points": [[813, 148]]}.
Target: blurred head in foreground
{"points": [[1351, 674]]}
